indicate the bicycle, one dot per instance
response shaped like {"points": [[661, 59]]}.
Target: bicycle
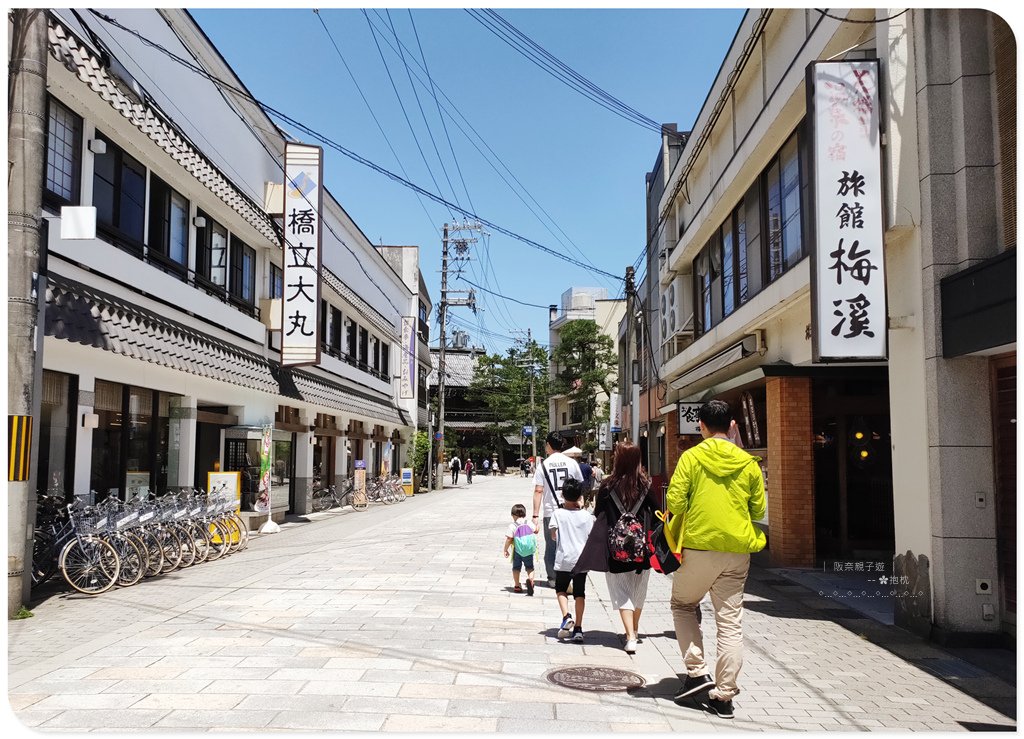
{"points": [[325, 498]]}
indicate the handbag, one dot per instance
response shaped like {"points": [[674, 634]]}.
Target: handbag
{"points": [[664, 557]]}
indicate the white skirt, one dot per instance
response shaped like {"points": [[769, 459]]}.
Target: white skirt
{"points": [[628, 590]]}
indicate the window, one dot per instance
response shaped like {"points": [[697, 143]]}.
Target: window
{"points": [[63, 155], [385, 361], [336, 324], [350, 333], [212, 252], [774, 222], [375, 353], [276, 282], [792, 243], [119, 194], [168, 224], [728, 268], [423, 312], [323, 322], [364, 345], [57, 413], [748, 243], [243, 271]]}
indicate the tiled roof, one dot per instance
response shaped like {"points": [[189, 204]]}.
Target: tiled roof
{"points": [[84, 315], [368, 312], [459, 368], [70, 51]]}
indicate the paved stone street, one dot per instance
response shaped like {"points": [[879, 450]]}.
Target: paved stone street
{"points": [[402, 619]]}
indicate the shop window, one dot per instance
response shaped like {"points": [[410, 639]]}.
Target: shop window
{"points": [[63, 155], [212, 253], [168, 225], [106, 466], [119, 194], [57, 410], [276, 282], [243, 271]]}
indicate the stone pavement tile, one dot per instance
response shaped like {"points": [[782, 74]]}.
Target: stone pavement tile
{"points": [[71, 673], [342, 688], [529, 725], [447, 724], [308, 673], [109, 720], [475, 692], [439, 677], [102, 700], [500, 709], [282, 687], [198, 701], [548, 694], [368, 663], [298, 702], [639, 728], [605, 712], [138, 673], [55, 687], [533, 669], [329, 721], [195, 719], [36, 716], [397, 706], [21, 701]]}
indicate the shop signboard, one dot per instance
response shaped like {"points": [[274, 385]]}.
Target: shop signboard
{"points": [[136, 485], [604, 439], [408, 373], [689, 423], [228, 482], [385, 462], [407, 480], [300, 303], [615, 412], [359, 485], [263, 497], [849, 312]]}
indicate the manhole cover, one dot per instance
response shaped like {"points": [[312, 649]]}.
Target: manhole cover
{"points": [[602, 679]]}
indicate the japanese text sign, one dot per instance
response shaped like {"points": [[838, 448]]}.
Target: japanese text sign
{"points": [[408, 373], [848, 278], [303, 204], [689, 421]]}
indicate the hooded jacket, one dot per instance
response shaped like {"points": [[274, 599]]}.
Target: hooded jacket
{"points": [[715, 493]]}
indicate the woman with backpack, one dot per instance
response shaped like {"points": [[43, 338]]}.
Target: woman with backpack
{"points": [[625, 512]]}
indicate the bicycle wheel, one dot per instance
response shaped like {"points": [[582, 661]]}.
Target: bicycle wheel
{"points": [[234, 533], [171, 545], [243, 528], [143, 549], [132, 562], [322, 500], [44, 559], [188, 550], [200, 539], [154, 551], [218, 541], [89, 565]]}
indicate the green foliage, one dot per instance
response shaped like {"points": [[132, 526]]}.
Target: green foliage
{"points": [[586, 364], [420, 451], [501, 385], [23, 613]]}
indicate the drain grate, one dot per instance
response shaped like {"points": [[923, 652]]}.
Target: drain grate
{"points": [[596, 679], [949, 667]]}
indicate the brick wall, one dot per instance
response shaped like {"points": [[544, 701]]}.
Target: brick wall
{"points": [[790, 472]]}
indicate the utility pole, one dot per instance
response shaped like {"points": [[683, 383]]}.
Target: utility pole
{"points": [[461, 245], [531, 368], [26, 145]]}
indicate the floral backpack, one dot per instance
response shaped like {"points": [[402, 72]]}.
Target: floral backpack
{"points": [[627, 540]]}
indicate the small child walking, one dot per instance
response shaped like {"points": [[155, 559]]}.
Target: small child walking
{"points": [[522, 540], [571, 526]]}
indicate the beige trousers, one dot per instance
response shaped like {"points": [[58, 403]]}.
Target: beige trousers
{"points": [[723, 574]]}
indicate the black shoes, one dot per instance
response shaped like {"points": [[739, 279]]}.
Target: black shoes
{"points": [[694, 685], [529, 587], [722, 709]]}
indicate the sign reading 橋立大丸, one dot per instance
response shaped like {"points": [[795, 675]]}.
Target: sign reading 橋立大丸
{"points": [[303, 205], [848, 274]]}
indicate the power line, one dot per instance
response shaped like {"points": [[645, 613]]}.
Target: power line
{"points": [[851, 20], [353, 155], [504, 297]]}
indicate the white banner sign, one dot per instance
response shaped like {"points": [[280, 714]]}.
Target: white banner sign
{"points": [[615, 412], [409, 357], [604, 439], [848, 277], [689, 423], [303, 205]]}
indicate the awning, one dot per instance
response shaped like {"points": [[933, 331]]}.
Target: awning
{"points": [[723, 359]]}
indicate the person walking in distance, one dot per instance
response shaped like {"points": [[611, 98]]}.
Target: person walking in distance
{"points": [[551, 474], [628, 568], [456, 465], [715, 495], [470, 467]]}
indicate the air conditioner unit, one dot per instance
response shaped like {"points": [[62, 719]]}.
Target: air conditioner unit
{"points": [[676, 307]]}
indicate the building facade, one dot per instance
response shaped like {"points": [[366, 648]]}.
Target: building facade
{"points": [[161, 358], [579, 304], [910, 458]]}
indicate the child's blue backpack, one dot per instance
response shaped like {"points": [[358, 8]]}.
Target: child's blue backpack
{"points": [[524, 540]]}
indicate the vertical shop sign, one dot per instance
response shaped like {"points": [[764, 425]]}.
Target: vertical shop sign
{"points": [[300, 303], [263, 497], [615, 412], [408, 358], [604, 439], [848, 262]]}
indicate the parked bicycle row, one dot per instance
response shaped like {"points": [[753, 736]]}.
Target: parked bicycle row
{"points": [[117, 543], [385, 490]]}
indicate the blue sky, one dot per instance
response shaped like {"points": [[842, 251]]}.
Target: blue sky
{"points": [[581, 163]]}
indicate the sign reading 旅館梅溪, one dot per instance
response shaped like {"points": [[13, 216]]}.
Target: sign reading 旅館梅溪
{"points": [[303, 205], [848, 277]]}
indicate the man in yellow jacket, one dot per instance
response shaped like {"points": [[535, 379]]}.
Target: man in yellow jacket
{"points": [[715, 494]]}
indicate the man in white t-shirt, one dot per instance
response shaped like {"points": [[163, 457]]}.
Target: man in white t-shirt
{"points": [[551, 474]]}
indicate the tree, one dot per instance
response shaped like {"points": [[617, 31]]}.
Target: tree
{"points": [[586, 364], [501, 385]]}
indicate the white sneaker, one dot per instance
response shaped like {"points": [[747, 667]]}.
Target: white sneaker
{"points": [[565, 631], [630, 646]]}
